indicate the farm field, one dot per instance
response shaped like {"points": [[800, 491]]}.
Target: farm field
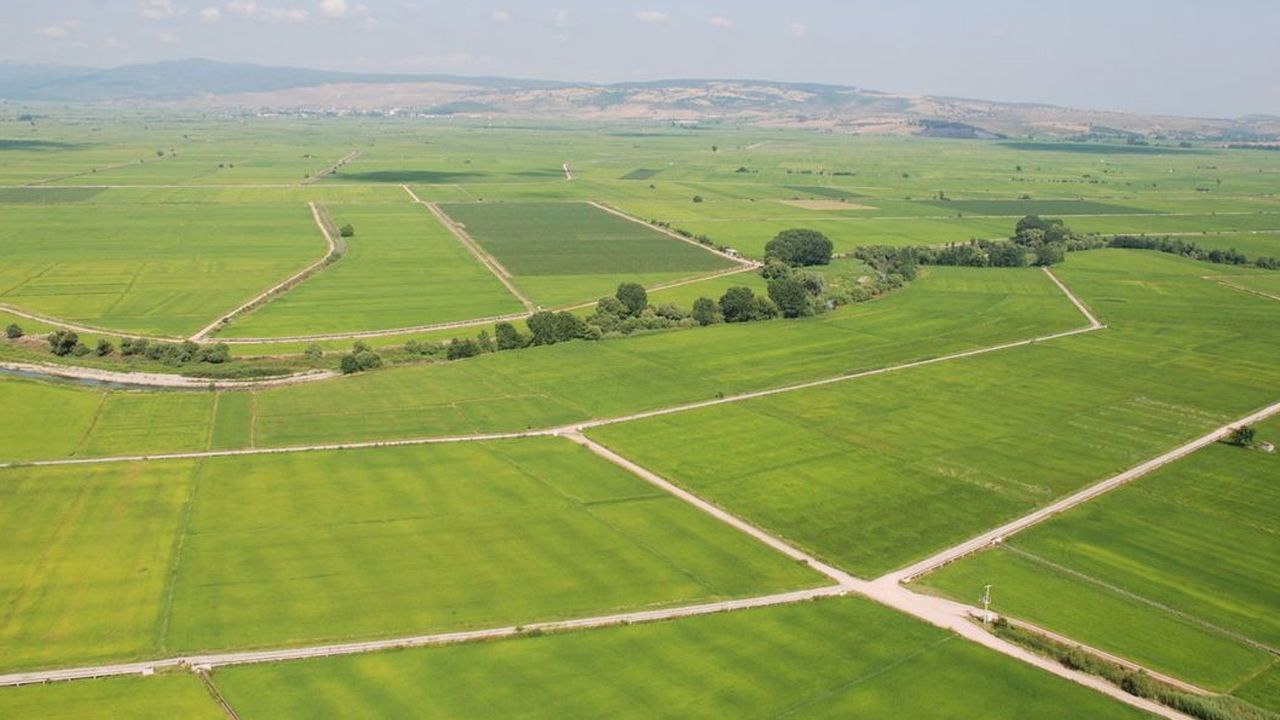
{"points": [[947, 310], [1176, 570], [565, 252], [873, 474], [830, 658], [401, 269], [154, 698], [154, 269], [151, 559], [138, 221]]}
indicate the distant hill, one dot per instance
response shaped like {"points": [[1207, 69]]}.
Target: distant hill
{"points": [[832, 108]]}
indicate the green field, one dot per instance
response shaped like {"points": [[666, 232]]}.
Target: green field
{"points": [[155, 698], [402, 269], [827, 659], [565, 252], [1173, 571], [162, 268], [133, 560], [873, 474]]}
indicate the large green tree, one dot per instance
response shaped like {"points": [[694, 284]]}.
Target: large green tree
{"points": [[800, 247], [633, 297]]}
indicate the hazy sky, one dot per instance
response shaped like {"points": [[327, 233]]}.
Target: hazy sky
{"points": [[1175, 56]]}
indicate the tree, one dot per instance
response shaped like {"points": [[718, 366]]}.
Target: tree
{"points": [[348, 364], [347, 231], [1242, 436], [1049, 254], [13, 332], [104, 347], [215, 354], [508, 338], [791, 296], [62, 342], [549, 328], [368, 360], [633, 297], [459, 349], [800, 247], [705, 311], [737, 304], [697, 198], [1007, 254], [612, 306], [763, 309]]}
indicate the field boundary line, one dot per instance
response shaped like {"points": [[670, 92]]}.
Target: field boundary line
{"points": [[671, 234], [1122, 592], [1222, 280], [217, 695], [332, 168], [473, 247], [80, 328], [323, 221], [206, 662], [997, 536]]}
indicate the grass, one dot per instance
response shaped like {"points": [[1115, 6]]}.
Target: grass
{"points": [[830, 658], [561, 252], [152, 698], [402, 269], [873, 474], [150, 559], [1153, 563]]}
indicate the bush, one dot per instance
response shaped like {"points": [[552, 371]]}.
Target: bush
{"points": [[549, 328], [791, 296], [313, 352], [62, 342], [80, 350], [346, 231], [459, 349], [360, 358], [799, 248], [508, 338], [1242, 436], [697, 198], [215, 354], [737, 304], [104, 347], [1047, 254], [706, 311], [13, 332]]}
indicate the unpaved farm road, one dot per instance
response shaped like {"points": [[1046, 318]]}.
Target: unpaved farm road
{"points": [[160, 380]]}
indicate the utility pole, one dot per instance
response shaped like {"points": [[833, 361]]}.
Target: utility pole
{"points": [[986, 605]]}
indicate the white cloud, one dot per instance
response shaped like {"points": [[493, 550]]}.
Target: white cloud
{"points": [[721, 21], [333, 8], [111, 42], [251, 9], [651, 16], [797, 30], [501, 16], [210, 14], [160, 9], [163, 36], [55, 31]]}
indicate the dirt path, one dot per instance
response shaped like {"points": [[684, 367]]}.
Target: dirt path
{"points": [[489, 261], [55, 322], [160, 380], [714, 251], [325, 224], [1223, 281], [997, 535], [332, 168]]}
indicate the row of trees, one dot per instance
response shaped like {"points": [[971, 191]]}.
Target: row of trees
{"points": [[1184, 248], [67, 342]]}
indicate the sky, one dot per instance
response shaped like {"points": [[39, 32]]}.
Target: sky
{"points": [[1184, 57]]}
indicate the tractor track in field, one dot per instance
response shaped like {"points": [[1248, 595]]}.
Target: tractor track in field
{"points": [[889, 589]]}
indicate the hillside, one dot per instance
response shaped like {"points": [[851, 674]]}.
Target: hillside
{"points": [[835, 108]]}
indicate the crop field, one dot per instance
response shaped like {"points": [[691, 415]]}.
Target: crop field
{"points": [[402, 269], [644, 488], [1176, 570], [947, 446], [160, 269], [832, 658], [565, 252], [125, 560]]}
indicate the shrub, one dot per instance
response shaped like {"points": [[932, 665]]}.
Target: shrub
{"points": [[791, 296], [706, 311], [313, 352], [80, 350], [104, 347], [549, 328], [737, 304], [13, 332], [633, 297], [464, 348], [508, 338], [346, 231], [1242, 436], [697, 198], [62, 342]]}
